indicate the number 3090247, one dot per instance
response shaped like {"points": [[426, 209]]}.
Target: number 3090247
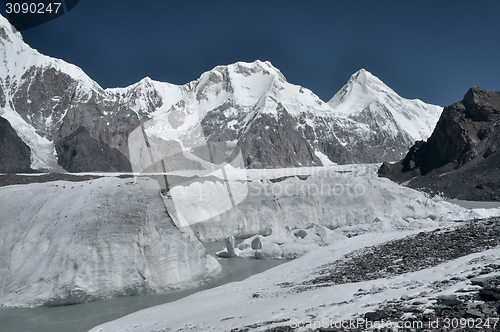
{"points": [[32, 8]]}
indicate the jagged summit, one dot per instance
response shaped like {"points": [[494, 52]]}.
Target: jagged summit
{"points": [[367, 79], [18, 58], [481, 104], [362, 89], [10, 29], [365, 95], [248, 68]]}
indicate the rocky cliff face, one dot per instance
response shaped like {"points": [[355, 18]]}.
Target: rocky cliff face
{"points": [[278, 144], [459, 158], [80, 152], [391, 124], [56, 106], [14, 154]]}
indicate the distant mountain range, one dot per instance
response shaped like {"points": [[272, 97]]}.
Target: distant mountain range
{"points": [[68, 122]]}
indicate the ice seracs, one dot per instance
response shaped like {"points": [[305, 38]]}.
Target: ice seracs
{"points": [[340, 196], [282, 243]]}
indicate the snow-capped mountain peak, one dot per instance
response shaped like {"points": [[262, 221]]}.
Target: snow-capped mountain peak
{"points": [[21, 68], [8, 30], [360, 91], [18, 58], [366, 96], [245, 83]]}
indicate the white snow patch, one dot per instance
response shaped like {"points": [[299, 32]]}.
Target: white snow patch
{"points": [[43, 153], [324, 159]]}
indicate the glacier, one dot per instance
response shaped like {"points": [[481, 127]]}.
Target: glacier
{"points": [[282, 243], [335, 196], [289, 212], [70, 242]]}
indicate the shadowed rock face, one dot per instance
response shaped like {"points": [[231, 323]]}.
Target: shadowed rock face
{"points": [[463, 145], [466, 129], [79, 152], [14, 153], [274, 142], [43, 98]]}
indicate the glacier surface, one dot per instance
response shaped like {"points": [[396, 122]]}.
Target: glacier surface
{"points": [[265, 300], [335, 196]]}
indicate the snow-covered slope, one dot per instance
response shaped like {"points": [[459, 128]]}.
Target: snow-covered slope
{"points": [[48, 102], [65, 242], [276, 123], [239, 105], [68, 119]]}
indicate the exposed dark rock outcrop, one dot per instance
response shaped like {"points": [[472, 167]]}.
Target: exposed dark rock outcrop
{"points": [[427, 249], [43, 98], [273, 141], [56, 105], [14, 153], [79, 152], [459, 159]]}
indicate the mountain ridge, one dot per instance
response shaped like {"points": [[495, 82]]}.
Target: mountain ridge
{"points": [[48, 100]]}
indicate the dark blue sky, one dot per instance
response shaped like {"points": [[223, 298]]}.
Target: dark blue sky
{"points": [[431, 50]]}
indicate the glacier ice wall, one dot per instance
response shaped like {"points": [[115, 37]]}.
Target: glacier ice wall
{"points": [[331, 198], [65, 242]]}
